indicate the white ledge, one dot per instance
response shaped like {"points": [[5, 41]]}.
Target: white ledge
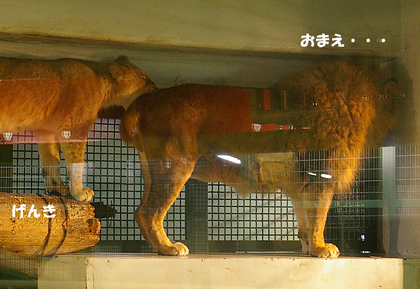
{"points": [[225, 271]]}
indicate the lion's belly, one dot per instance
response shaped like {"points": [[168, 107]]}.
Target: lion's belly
{"points": [[15, 123], [36, 104], [24, 114]]}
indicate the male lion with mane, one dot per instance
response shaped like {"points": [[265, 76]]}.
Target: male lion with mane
{"points": [[174, 127], [59, 101]]}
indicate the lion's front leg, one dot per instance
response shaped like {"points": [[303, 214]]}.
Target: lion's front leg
{"points": [[311, 205], [300, 213], [317, 205], [167, 179]]}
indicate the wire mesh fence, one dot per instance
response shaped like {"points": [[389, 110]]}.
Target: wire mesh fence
{"points": [[208, 217]]}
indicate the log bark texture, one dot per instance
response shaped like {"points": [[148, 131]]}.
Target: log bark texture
{"points": [[45, 225]]}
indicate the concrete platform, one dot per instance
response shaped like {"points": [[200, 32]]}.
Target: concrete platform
{"points": [[226, 271]]}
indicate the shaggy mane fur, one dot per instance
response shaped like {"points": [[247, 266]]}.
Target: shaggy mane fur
{"points": [[342, 105]]}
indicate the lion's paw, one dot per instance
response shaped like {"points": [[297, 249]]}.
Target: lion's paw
{"points": [[84, 195], [176, 249], [328, 251]]}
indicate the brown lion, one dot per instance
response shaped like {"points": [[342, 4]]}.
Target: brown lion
{"points": [[331, 108], [59, 100]]}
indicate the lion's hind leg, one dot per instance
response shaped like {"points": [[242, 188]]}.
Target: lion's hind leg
{"points": [[49, 155], [74, 153], [168, 176], [300, 213]]}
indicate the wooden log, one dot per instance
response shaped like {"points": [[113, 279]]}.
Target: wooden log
{"points": [[45, 225]]}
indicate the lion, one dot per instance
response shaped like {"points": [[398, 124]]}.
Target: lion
{"points": [[59, 101], [331, 109]]}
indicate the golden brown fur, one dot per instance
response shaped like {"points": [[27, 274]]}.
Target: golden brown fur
{"points": [[176, 126], [52, 97]]}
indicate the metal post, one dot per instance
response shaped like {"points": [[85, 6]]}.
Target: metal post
{"points": [[390, 203]]}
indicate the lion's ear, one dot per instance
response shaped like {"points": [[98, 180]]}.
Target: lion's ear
{"points": [[122, 59], [121, 69]]}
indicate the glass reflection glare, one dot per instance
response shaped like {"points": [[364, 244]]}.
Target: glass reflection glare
{"points": [[230, 159]]}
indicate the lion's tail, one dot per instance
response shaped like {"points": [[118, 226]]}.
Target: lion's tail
{"points": [[129, 127], [130, 131]]}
